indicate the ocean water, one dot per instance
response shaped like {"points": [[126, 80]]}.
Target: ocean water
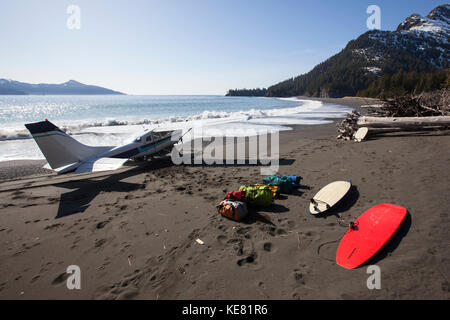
{"points": [[114, 120]]}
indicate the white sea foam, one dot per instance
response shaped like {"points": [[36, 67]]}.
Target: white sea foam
{"points": [[16, 143]]}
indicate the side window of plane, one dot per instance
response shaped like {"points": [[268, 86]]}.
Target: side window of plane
{"points": [[161, 134], [149, 138]]}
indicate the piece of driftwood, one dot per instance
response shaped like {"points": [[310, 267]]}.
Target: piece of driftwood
{"points": [[415, 123], [375, 131]]}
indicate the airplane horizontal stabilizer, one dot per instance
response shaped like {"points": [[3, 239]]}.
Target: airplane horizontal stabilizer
{"points": [[100, 164]]}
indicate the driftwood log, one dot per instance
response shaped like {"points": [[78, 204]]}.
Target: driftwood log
{"points": [[373, 131], [403, 122]]}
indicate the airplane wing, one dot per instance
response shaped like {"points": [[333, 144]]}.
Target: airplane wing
{"points": [[100, 164]]}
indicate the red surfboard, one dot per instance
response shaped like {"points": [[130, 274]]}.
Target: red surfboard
{"points": [[369, 233]]}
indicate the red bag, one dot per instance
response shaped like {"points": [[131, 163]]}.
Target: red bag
{"points": [[236, 195]]}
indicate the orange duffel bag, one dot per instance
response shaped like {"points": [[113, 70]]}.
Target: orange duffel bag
{"points": [[235, 210]]}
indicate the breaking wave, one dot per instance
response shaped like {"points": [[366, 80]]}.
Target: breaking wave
{"points": [[315, 110]]}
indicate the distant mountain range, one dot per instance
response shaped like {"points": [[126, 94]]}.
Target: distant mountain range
{"points": [[420, 44], [71, 87]]}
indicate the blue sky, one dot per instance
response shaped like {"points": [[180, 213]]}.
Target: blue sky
{"points": [[182, 46]]}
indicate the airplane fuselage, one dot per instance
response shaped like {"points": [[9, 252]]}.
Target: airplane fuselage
{"points": [[142, 146]]}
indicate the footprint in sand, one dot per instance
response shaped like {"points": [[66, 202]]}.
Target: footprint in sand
{"points": [[222, 238], [35, 278], [287, 223], [345, 296], [299, 277], [128, 294], [99, 242], [248, 260], [209, 197], [222, 227], [280, 231], [269, 229], [52, 200], [101, 225], [54, 226], [28, 205], [60, 279], [267, 246], [239, 247]]}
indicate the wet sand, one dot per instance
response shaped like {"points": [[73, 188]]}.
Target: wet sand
{"points": [[354, 102], [133, 233], [15, 169]]}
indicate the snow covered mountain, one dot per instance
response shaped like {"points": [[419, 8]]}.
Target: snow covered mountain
{"points": [[419, 44], [437, 22], [428, 37]]}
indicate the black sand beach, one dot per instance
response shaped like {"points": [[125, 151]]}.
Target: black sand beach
{"points": [[133, 234]]}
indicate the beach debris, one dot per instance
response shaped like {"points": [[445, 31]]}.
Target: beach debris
{"points": [[379, 125], [424, 112], [298, 238], [348, 126], [436, 103], [199, 241]]}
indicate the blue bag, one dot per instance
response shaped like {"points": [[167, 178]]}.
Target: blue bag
{"points": [[284, 183], [295, 180]]}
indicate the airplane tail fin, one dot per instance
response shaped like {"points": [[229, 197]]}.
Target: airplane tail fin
{"points": [[59, 148]]}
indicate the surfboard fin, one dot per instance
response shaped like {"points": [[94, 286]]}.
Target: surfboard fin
{"points": [[314, 202]]}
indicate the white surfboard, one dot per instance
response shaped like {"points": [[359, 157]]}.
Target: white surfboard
{"points": [[329, 196], [361, 134]]}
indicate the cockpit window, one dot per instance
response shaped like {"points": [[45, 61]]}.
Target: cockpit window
{"points": [[138, 139], [162, 134], [149, 138]]}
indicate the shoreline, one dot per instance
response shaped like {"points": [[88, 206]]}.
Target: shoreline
{"points": [[353, 102], [25, 168]]}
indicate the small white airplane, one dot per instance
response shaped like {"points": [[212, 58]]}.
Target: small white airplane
{"points": [[65, 154]]}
